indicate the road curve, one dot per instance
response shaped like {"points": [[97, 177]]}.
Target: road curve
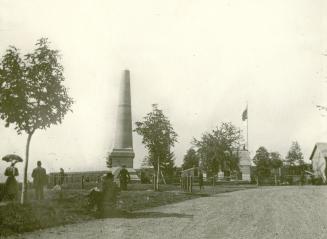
{"points": [[267, 212]]}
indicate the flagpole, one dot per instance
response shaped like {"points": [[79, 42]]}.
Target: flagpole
{"points": [[247, 126]]}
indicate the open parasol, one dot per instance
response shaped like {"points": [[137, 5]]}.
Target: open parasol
{"points": [[12, 158]]}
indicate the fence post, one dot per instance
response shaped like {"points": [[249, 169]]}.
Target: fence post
{"points": [[191, 183], [187, 183], [82, 182]]}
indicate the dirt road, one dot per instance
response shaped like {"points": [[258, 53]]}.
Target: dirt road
{"points": [[267, 212]]}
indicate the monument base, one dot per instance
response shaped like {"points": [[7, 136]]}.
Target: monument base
{"points": [[120, 157], [132, 174]]}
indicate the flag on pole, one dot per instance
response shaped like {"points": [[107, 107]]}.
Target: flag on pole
{"points": [[245, 114]]}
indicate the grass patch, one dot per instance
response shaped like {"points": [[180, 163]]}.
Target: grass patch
{"points": [[72, 208]]}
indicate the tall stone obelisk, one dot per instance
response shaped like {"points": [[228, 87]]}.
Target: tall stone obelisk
{"points": [[122, 153]]}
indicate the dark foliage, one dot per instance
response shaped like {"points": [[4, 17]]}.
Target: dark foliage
{"points": [[217, 150], [191, 159], [158, 138], [262, 161], [294, 155], [32, 93]]}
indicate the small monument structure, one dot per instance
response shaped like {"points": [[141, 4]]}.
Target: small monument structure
{"points": [[123, 153]]}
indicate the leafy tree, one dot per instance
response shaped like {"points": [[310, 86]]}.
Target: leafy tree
{"points": [[32, 93], [145, 162], [276, 160], [262, 161], [168, 166], [191, 159], [158, 137], [294, 155], [217, 149], [267, 163]]}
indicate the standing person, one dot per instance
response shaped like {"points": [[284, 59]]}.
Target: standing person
{"points": [[39, 179], [61, 182], [201, 179], [123, 178], [109, 191], [11, 185], [61, 176]]}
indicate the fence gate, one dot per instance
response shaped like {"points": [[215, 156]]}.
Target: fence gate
{"points": [[187, 179]]}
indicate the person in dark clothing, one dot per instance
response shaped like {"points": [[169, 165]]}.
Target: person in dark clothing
{"points": [[124, 178], [105, 199], [201, 179], [110, 191], [39, 180], [11, 185], [61, 176], [61, 182]]}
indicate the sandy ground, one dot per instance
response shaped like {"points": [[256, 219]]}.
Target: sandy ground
{"points": [[267, 212]]}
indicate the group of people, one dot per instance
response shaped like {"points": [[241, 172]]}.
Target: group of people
{"points": [[104, 198], [11, 185]]}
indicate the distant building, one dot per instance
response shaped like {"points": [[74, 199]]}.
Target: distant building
{"points": [[318, 158]]}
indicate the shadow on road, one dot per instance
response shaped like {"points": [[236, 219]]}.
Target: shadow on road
{"points": [[221, 195], [133, 215]]}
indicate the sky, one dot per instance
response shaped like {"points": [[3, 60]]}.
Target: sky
{"points": [[202, 62]]}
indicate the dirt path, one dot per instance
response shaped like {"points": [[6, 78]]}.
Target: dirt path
{"points": [[268, 212]]}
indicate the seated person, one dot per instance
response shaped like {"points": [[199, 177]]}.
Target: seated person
{"points": [[105, 199]]}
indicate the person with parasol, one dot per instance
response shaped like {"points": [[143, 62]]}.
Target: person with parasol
{"points": [[11, 185]]}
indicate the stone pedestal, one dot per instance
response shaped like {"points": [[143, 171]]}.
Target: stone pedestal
{"points": [[120, 157], [132, 173]]}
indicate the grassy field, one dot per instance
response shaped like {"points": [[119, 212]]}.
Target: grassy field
{"points": [[72, 207]]}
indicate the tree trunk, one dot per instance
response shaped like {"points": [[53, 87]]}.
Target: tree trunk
{"points": [[158, 174], [154, 182], [24, 189]]}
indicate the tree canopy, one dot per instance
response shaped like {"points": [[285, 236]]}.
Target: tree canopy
{"points": [[294, 155], [32, 93], [276, 160], [191, 159], [217, 149], [262, 161], [158, 136], [267, 162]]}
